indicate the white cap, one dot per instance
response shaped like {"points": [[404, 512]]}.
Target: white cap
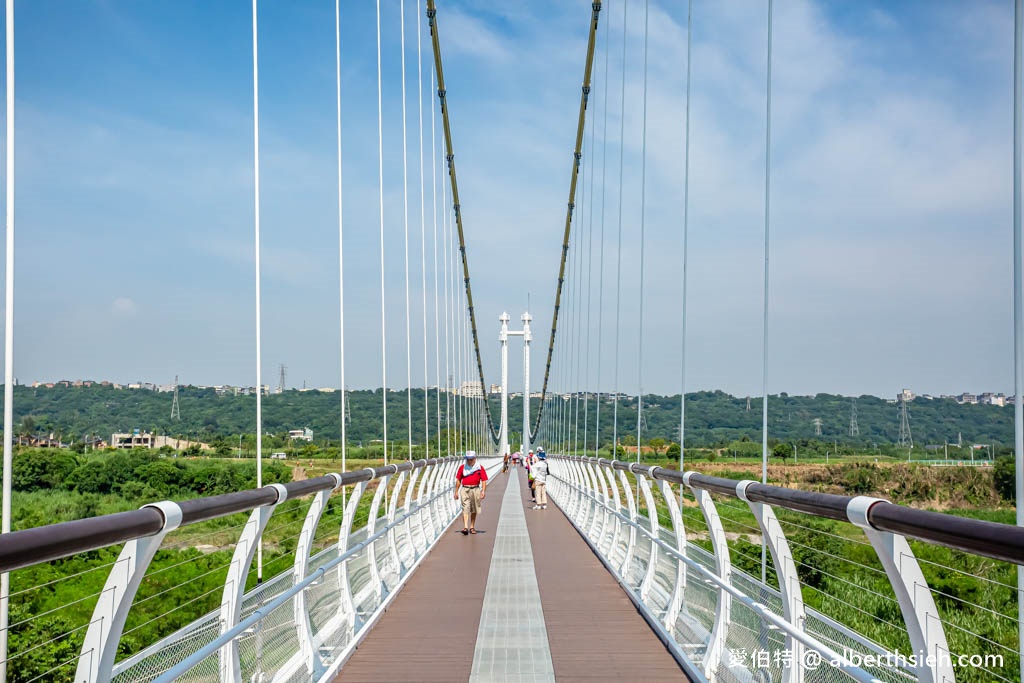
{"points": [[470, 454]]}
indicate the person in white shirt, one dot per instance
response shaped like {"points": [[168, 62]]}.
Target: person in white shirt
{"points": [[540, 481]]}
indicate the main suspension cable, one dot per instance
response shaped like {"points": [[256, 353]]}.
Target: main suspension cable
{"points": [[450, 156]]}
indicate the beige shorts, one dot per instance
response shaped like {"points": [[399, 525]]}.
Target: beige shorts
{"points": [[470, 498]]}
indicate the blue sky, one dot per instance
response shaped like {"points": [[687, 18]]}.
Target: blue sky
{"points": [[891, 190]]}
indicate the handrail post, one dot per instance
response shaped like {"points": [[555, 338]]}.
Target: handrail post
{"points": [[392, 532], [675, 602], [723, 564], [346, 606], [234, 583], [789, 580], [410, 519], [99, 649], [371, 549], [631, 543], [655, 525], [616, 528], [924, 625], [601, 507], [300, 606]]}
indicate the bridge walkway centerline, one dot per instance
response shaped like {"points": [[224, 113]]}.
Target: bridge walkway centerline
{"points": [[430, 632]]}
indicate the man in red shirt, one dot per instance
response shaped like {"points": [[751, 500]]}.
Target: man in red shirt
{"points": [[471, 488]]}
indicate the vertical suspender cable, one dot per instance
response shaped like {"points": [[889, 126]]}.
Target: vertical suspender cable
{"points": [[686, 234], [259, 324], [643, 219], [437, 305], [447, 352], [5, 578], [341, 247], [423, 243], [764, 322], [405, 223], [380, 179], [1018, 298], [618, 267], [590, 276], [600, 261]]}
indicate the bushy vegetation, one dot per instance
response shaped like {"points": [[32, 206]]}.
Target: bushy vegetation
{"points": [[135, 474]]}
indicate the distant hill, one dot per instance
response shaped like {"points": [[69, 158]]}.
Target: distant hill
{"points": [[712, 417]]}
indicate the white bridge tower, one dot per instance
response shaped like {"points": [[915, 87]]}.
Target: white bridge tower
{"points": [[503, 445]]}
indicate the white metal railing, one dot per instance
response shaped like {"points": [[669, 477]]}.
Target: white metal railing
{"points": [[301, 624], [714, 617]]}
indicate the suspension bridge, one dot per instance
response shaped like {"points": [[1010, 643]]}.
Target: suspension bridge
{"points": [[636, 572]]}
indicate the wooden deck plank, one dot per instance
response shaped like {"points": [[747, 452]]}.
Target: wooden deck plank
{"points": [[429, 631], [594, 630]]}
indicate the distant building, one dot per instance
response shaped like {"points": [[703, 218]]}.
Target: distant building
{"points": [[305, 434], [472, 389], [906, 396], [135, 439], [495, 389], [990, 399], [967, 398]]}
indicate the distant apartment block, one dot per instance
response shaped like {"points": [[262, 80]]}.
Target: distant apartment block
{"points": [[990, 399], [906, 396], [967, 398], [472, 389], [495, 389]]}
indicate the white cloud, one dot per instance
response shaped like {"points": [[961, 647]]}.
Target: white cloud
{"points": [[124, 306]]}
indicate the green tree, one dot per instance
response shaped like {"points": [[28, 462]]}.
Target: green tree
{"points": [[782, 450], [1005, 477]]}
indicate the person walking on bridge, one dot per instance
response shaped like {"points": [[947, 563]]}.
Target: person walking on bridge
{"points": [[540, 481], [471, 489]]}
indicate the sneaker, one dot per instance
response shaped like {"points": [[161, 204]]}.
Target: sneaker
{"points": [[543, 507], [536, 507]]}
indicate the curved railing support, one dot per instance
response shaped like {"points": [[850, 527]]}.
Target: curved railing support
{"points": [[924, 625], [675, 601], [789, 581], [234, 584], [655, 526], [723, 566], [300, 608], [99, 649]]}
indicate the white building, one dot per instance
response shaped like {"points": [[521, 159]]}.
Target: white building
{"points": [[305, 434], [135, 439], [472, 389], [906, 396]]}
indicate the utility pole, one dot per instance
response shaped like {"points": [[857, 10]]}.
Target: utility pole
{"points": [[175, 408], [854, 427], [817, 426], [284, 374]]}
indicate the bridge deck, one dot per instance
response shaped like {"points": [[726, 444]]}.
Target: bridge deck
{"points": [[593, 632]]}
